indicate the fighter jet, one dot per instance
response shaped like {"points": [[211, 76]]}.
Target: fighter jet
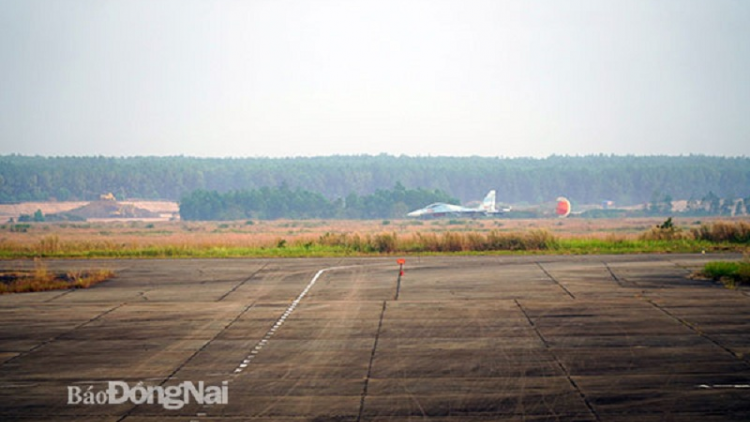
{"points": [[440, 209]]}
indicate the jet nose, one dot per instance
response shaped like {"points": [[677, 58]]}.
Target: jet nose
{"points": [[414, 214]]}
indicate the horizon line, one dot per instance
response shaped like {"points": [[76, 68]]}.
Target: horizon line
{"points": [[365, 155]]}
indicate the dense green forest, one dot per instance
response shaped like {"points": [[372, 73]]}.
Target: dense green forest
{"points": [[283, 202], [625, 180]]}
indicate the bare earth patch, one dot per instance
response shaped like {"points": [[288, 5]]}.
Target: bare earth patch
{"points": [[165, 209]]}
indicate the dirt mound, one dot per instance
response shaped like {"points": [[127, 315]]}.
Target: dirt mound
{"points": [[110, 209], [164, 209]]}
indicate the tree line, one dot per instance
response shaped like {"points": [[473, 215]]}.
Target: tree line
{"points": [[284, 202], [626, 180]]}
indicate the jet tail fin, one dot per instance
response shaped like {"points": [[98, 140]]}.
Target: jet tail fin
{"points": [[488, 204]]}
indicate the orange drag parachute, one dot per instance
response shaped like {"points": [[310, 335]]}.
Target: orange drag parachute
{"points": [[563, 207]]}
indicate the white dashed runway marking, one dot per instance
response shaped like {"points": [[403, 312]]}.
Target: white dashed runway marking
{"points": [[262, 343]]}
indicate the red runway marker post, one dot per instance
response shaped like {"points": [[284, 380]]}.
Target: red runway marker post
{"points": [[401, 262]]}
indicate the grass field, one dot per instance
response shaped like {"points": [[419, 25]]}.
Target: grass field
{"points": [[354, 237]]}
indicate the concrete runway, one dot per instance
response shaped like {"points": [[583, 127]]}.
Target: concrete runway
{"points": [[533, 338]]}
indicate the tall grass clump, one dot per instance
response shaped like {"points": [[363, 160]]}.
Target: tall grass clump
{"points": [[384, 242], [497, 241], [454, 242], [533, 240], [478, 242], [347, 242], [723, 231], [540, 239], [49, 245]]}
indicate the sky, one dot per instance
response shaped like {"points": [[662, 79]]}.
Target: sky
{"points": [[276, 78]]}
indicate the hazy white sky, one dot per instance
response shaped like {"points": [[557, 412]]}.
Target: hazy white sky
{"points": [[318, 77]]}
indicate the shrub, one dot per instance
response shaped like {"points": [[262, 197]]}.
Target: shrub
{"points": [[664, 231], [20, 228]]}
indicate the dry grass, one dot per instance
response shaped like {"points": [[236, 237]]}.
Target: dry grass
{"points": [[41, 279], [717, 231], [724, 231], [240, 238]]}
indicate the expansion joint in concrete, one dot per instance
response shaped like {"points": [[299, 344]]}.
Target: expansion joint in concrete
{"points": [[554, 280], [562, 367], [44, 343], [372, 360], [613, 275], [737, 355], [240, 284]]}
